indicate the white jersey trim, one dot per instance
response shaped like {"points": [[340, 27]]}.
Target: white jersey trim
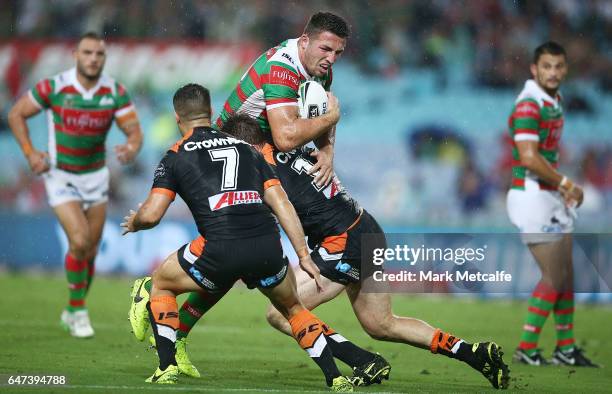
{"points": [[526, 137], [31, 96], [272, 106]]}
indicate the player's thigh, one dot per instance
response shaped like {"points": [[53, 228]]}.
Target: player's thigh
{"points": [[308, 293], [284, 295], [172, 277], [74, 222], [96, 216], [371, 309], [540, 215]]}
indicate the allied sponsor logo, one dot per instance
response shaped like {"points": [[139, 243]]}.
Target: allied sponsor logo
{"points": [[231, 198]]}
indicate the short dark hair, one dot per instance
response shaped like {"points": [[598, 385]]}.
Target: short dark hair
{"points": [[326, 21], [192, 101], [91, 35], [549, 47], [245, 128]]}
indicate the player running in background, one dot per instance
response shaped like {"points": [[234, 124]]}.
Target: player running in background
{"points": [[81, 104], [335, 223], [541, 203], [225, 183]]}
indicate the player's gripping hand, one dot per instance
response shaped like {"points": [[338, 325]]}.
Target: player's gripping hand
{"points": [[333, 107], [323, 169], [572, 194], [125, 153], [128, 223], [38, 161], [312, 270]]}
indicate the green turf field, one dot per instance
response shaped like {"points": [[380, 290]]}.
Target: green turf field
{"points": [[237, 352]]}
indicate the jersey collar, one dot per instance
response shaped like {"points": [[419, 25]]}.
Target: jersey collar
{"points": [[536, 90], [292, 48], [87, 94]]}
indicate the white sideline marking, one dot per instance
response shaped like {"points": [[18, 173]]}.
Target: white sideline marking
{"points": [[203, 327], [153, 387]]}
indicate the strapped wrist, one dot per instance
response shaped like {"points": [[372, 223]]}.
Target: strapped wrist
{"points": [[27, 149], [565, 185]]}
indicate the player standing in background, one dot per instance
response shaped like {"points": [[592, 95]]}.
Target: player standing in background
{"points": [[81, 104], [541, 203], [231, 192]]}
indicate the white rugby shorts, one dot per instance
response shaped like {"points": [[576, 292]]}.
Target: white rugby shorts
{"points": [[90, 188], [540, 215]]}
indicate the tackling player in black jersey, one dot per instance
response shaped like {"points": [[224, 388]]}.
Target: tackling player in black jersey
{"points": [[335, 225], [230, 190]]}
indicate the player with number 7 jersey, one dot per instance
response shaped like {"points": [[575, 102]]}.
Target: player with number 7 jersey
{"points": [[231, 208]]}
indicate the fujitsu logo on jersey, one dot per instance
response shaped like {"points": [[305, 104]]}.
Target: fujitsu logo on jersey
{"points": [[87, 121], [211, 143], [281, 75], [228, 199]]}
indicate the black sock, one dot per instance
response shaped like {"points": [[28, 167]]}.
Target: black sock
{"points": [[347, 352], [165, 347]]}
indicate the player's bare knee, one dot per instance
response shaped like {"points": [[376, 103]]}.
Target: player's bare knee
{"points": [[79, 245], [379, 329], [273, 316]]}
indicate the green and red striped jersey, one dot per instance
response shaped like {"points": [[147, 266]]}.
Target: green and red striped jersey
{"points": [[79, 119], [536, 116], [270, 82]]}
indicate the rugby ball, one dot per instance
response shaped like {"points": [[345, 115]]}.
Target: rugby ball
{"points": [[312, 100]]}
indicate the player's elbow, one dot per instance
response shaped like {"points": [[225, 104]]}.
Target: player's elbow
{"points": [[285, 144], [14, 115], [148, 218], [527, 160]]}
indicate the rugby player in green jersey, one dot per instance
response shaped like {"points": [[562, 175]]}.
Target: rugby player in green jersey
{"points": [[81, 104], [268, 90], [541, 204]]}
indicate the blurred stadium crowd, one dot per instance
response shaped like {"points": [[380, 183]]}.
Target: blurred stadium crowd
{"points": [[463, 48]]}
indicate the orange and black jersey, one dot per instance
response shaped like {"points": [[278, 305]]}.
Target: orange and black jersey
{"points": [[322, 211], [222, 181]]}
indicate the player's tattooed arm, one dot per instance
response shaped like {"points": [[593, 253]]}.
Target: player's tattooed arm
{"points": [[276, 198], [532, 160], [148, 215], [130, 126], [23, 109]]}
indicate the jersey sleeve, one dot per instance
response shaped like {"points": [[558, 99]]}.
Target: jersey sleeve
{"points": [[41, 93], [525, 121], [280, 83], [268, 173], [164, 180], [124, 108]]}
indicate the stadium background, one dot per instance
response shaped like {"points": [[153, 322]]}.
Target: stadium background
{"points": [[425, 89]]}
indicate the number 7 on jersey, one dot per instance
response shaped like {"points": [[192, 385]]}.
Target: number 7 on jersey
{"points": [[231, 159]]}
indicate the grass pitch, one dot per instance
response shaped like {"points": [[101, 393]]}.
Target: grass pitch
{"points": [[236, 351]]}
